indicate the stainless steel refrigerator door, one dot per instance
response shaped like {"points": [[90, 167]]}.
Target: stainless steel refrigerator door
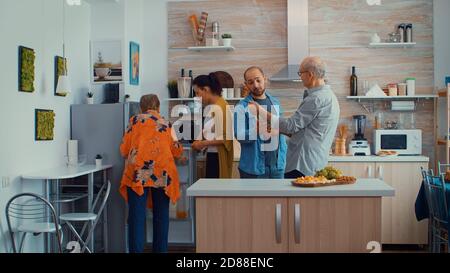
{"points": [[99, 129]]}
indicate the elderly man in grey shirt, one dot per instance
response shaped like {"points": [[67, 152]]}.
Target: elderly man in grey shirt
{"points": [[313, 126]]}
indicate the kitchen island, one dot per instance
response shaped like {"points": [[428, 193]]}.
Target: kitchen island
{"points": [[258, 216]]}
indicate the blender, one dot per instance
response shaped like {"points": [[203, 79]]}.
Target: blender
{"points": [[359, 145]]}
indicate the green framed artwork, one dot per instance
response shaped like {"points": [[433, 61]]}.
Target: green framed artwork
{"points": [[27, 58], [44, 124], [60, 69]]}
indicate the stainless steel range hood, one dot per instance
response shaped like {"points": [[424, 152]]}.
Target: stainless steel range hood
{"points": [[298, 41]]}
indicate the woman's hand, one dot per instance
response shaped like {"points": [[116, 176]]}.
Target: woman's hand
{"points": [[198, 145]]}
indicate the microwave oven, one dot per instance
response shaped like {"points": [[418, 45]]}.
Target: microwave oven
{"points": [[404, 142]]}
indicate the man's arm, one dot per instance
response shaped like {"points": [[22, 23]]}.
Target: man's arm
{"points": [[304, 115]]}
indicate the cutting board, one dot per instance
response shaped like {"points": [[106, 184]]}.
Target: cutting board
{"points": [[316, 185]]}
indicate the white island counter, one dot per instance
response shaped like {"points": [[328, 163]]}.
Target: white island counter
{"points": [[244, 216]]}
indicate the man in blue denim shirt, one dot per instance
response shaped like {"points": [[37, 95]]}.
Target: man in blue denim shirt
{"points": [[256, 161]]}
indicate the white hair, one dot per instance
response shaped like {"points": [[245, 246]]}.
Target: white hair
{"points": [[316, 66]]}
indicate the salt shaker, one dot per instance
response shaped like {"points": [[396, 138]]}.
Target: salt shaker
{"points": [[401, 30], [409, 33]]}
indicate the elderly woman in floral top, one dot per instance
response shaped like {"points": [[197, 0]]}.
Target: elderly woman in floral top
{"points": [[150, 178]]}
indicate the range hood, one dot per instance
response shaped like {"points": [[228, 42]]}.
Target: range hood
{"points": [[298, 41]]}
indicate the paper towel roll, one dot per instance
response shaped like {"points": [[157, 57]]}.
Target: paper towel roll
{"points": [[72, 152]]}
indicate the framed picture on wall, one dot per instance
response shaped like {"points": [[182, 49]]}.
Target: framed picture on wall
{"points": [[27, 58], [44, 125], [134, 63], [106, 61], [60, 69]]}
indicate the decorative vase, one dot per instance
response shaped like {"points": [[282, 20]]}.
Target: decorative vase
{"points": [[90, 100], [226, 42]]}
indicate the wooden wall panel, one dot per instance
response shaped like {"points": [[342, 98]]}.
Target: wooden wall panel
{"points": [[340, 31]]}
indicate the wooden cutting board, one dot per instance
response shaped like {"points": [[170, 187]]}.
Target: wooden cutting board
{"points": [[316, 185], [225, 79]]}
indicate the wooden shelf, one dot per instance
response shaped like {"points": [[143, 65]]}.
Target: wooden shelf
{"points": [[393, 98], [211, 48], [391, 45]]}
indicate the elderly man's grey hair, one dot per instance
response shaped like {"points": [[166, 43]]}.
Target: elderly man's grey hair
{"points": [[316, 66]]}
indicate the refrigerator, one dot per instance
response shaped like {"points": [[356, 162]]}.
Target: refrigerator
{"points": [[99, 128]]}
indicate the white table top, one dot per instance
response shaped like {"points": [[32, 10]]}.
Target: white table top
{"points": [[64, 172], [283, 188]]}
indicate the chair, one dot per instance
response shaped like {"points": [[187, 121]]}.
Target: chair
{"points": [[443, 168], [90, 219], [32, 213], [437, 203]]}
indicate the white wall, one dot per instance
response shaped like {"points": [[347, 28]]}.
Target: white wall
{"points": [[39, 27], [107, 23], [441, 41], [134, 14], [155, 48]]}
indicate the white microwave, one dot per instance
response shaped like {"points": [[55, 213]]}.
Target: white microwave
{"points": [[404, 142]]}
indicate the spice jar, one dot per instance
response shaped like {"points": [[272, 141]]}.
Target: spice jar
{"points": [[393, 91], [402, 89]]}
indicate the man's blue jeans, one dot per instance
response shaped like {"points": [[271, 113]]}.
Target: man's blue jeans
{"points": [[137, 206], [271, 173]]}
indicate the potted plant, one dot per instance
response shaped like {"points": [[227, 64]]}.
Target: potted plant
{"points": [[98, 161], [127, 98], [226, 39], [90, 98], [173, 89]]}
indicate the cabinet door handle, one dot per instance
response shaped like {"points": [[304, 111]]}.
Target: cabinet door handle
{"points": [[380, 172], [369, 171], [278, 223], [297, 223]]}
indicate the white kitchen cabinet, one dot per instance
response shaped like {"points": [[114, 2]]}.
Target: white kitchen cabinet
{"points": [[399, 223]]}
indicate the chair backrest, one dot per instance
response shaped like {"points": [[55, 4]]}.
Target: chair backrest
{"points": [[97, 208], [443, 168], [101, 199], [30, 207], [436, 197]]}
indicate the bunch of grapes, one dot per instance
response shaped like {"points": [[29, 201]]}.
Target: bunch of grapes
{"points": [[330, 173]]}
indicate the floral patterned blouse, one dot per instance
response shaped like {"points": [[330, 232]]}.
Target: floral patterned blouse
{"points": [[150, 153]]}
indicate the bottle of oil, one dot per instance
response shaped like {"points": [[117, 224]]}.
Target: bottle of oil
{"points": [[353, 83]]}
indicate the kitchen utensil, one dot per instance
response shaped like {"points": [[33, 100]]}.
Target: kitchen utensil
{"points": [[202, 26], [225, 79], [184, 87]]}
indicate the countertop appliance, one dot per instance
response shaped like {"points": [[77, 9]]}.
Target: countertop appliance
{"points": [[359, 146], [404, 142]]}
